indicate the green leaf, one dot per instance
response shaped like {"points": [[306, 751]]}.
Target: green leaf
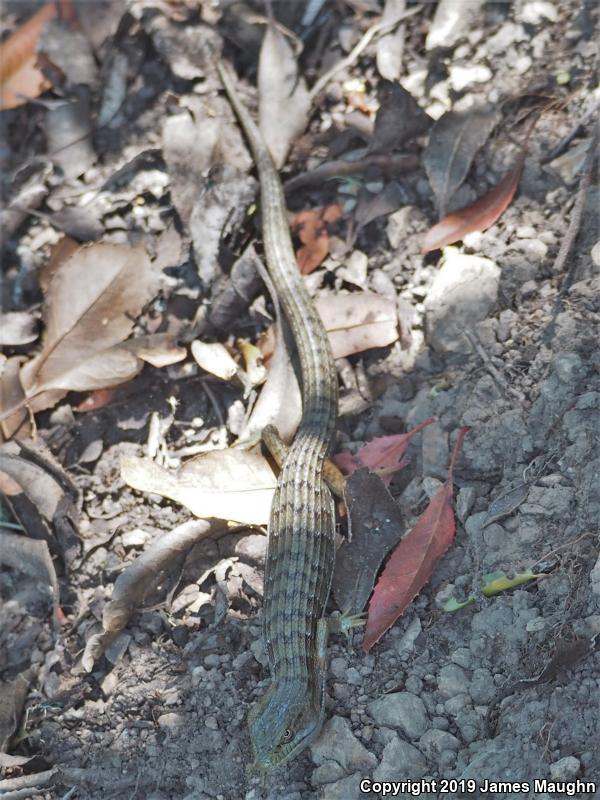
{"points": [[453, 604], [496, 582]]}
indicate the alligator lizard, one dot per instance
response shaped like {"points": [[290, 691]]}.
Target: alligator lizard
{"points": [[300, 554]]}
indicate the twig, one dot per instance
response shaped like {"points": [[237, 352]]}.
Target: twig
{"points": [[573, 230], [494, 372], [378, 29], [561, 146]]}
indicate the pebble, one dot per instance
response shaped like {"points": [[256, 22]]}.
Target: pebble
{"points": [[337, 743], [171, 721], [328, 772], [401, 710], [452, 680], [400, 760], [345, 789], [434, 742], [353, 676], [566, 769], [338, 667]]}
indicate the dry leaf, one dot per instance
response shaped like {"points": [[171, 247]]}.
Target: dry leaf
{"points": [[382, 453], [41, 496], [375, 525], [20, 79], [310, 227], [226, 484], [481, 214], [91, 302], [453, 143], [280, 86], [214, 358], [358, 321], [412, 562]]}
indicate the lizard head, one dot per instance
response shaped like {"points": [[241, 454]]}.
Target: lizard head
{"points": [[283, 722]]}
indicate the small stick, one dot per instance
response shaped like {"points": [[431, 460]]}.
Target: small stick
{"points": [[333, 169], [494, 372], [573, 230]]}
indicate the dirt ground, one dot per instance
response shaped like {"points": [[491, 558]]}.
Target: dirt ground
{"points": [[443, 696]]}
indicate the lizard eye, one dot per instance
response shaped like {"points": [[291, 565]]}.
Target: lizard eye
{"points": [[287, 735]]}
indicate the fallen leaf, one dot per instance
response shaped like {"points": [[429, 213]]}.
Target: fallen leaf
{"points": [[375, 525], [280, 86], [358, 321], [412, 562], [477, 216], [12, 396], [90, 306], [31, 557], [453, 143], [280, 402], [20, 78], [399, 118], [382, 453], [496, 582], [255, 370], [310, 227], [226, 484], [12, 700], [214, 357], [390, 47], [41, 497]]}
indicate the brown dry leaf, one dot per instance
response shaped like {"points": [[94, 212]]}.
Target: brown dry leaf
{"points": [[226, 484], [31, 557], [20, 79], [91, 302], [41, 496], [358, 321], [17, 424], [280, 402], [280, 86]]}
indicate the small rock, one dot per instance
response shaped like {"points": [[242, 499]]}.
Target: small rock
{"points": [[566, 769], [456, 704], [258, 651], [482, 687], [327, 772], [528, 289], [460, 77], [400, 760], [241, 660], [536, 11], [337, 743], [462, 657], [338, 667], [212, 660], [171, 721], [462, 294], [506, 319], [434, 742], [401, 710], [405, 645], [464, 502], [345, 789], [211, 723], [452, 680], [135, 538], [353, 676]]}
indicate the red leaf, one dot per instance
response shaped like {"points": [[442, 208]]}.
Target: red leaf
{"points": [[310, 227], [97, 399], [476, 217], [481, 214], [384, 452], [412, 562]]}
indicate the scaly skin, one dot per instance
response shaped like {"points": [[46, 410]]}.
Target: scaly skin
{"points": [[300, 554]]}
